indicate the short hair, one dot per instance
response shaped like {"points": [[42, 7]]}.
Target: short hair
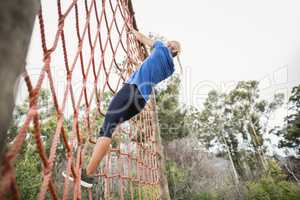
{"points": [[174, 54]]}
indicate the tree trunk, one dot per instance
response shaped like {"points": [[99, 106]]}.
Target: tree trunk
{"points": [[236, 177], [16, 23], [258, 153], [164, 188]]}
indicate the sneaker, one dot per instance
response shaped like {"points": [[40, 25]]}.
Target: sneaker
{"points": [[85, 181]]}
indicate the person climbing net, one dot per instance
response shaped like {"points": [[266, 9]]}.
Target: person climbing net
{"points": [[132, 97]]}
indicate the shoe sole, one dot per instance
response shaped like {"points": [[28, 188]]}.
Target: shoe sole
{"points": [[82, 183]]}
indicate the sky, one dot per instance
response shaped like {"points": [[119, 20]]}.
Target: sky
{"points": [[227, 41]]}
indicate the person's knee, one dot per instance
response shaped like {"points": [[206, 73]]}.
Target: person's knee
{"points": [[101, 132], [107, 131]]}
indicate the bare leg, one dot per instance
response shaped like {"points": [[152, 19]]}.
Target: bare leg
{"points": [[125, 102], [99, 152]]}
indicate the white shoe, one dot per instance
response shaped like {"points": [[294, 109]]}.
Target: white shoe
{"points": [[84, 183]]}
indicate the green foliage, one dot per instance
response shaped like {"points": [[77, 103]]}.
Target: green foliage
{"points": [[206, 196], [226, 117], [227, 120], [269, 189], [134, 190], [291, 133], [171, 117], [180, 189], [198, 196], [272, 186], [274, 171], [176, 182], [175, 173], [28, 174]]}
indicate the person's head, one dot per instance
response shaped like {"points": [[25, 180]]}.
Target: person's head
{"points": [[175, 47]]}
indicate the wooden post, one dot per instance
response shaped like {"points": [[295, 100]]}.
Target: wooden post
{"points": [[164, 188], [16, 24]]}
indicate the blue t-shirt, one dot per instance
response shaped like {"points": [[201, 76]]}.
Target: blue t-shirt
{"points": [[158, 66]]}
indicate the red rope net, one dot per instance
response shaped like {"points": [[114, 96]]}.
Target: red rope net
{"points": [[85, 52]]}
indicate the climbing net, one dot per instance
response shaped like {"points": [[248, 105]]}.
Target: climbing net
{"points": [[85, 52]]}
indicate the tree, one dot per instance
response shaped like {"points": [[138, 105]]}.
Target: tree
{"points": [[170, 115], [213, 130], [291, 133], [249, 117], [236, 122]]}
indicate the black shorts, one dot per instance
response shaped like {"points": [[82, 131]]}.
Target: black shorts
{"points": [[125, 104]]}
